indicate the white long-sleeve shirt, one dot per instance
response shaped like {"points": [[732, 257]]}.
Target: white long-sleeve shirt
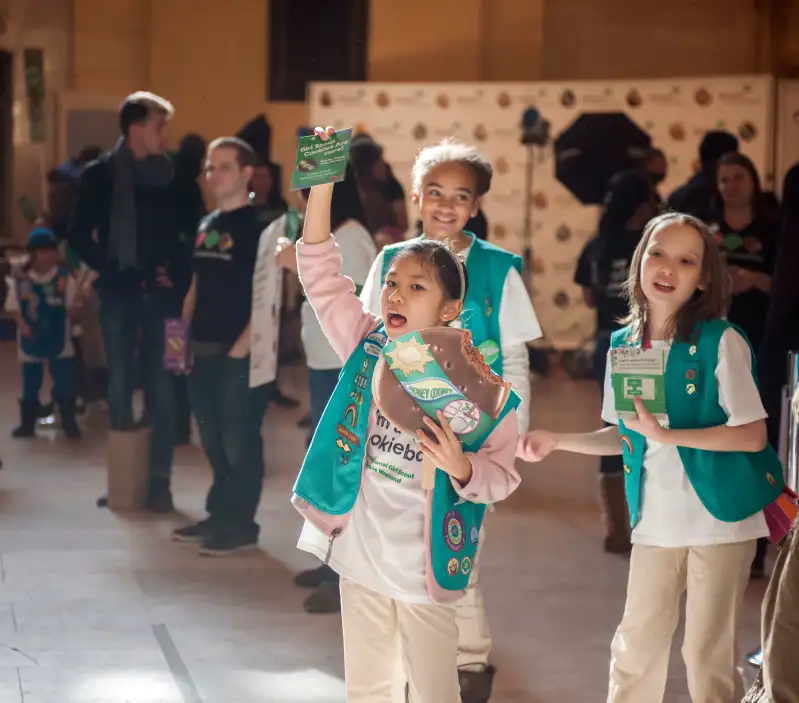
{"points": [[518, 325]]}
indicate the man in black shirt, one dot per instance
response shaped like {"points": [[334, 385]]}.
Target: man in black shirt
{"points": [[126, 225], [228, 411]]}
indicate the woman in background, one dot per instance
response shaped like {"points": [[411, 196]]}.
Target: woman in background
{"points": [[748, 233], [358, 251]]}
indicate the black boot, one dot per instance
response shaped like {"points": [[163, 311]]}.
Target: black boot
{"points": [[66, 408], [29, 414], [159, 499]]}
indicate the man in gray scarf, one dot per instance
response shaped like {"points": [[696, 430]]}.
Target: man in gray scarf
{"points": [[127, 226]]}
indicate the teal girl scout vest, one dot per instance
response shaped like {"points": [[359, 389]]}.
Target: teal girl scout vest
{"points": [[731, 485], [487, 267], [43, 306], [330, 477]]}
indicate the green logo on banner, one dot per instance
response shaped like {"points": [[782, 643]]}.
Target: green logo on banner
{"points": [[490, 351]]}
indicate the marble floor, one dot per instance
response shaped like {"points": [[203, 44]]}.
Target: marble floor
{"points": [[97, 607]]}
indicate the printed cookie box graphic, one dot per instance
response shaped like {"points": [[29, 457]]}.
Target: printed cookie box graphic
{"points": [[320, 161]]}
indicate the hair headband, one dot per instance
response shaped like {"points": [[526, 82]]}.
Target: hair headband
{"points": [[459, 265]]}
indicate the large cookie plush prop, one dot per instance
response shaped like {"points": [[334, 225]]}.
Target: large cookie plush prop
{"points": [[439, 369]]}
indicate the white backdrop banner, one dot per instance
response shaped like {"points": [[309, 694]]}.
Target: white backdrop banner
{"points": [[675, 113]]}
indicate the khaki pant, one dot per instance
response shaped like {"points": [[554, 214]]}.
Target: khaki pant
{"points": [[716, 578], [376, 626], [778, 681]]}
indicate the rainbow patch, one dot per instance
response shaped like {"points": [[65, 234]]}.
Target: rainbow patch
{"points": [[625, 442]]}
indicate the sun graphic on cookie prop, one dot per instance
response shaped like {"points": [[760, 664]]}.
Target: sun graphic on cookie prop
{"points": [[409, 356]]}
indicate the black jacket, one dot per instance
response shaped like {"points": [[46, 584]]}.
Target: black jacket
{"points": [[163, 244], [696, 196]]}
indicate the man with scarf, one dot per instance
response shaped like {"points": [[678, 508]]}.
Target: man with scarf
{"points": [[127, 226]]}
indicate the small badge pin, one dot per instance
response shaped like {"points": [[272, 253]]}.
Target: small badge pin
{"points": [[690, 389], [690, 374], [692, 350]]}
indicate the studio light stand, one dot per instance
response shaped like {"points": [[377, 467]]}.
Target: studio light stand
{"points": [[535, 132]]}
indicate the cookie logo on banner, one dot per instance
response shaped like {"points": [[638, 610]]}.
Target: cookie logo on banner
{"points": [[703, 97], [540, 200], [747, 131], [383, 100], [677, 132], [419, 131], [561, 299], [634, 98], [442, 100], [563, 234], [501, 165], [503, 99], [453, 530], [480, 133], [499, 232], [538, 265], [325, 99]]}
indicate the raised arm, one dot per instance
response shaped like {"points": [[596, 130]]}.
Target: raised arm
{"points": [[332, 295]]}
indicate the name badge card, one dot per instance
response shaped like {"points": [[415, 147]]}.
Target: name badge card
{"points": [[639, 373]]}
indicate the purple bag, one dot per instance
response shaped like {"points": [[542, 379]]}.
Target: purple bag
{"points": [[176, 346]]}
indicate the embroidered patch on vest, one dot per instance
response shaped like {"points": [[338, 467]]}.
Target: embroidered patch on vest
{"points": [[452, 567], [453, 530], [771, 479], [466, 566], [625, 441], [474, 535], [690, 389], [690, 374]]}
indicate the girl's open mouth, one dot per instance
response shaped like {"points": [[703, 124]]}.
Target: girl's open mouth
{"points": [[396, 320], [444, 219], [664, 287]]}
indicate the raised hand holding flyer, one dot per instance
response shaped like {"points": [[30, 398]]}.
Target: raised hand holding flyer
{"points": [[320, 162], [639, 373]]}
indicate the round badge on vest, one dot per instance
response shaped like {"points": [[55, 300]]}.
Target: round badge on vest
{"points": [[490, 351]]}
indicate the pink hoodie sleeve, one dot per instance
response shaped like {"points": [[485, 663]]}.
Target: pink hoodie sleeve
{"points": [[494, 475], [332, 296]]}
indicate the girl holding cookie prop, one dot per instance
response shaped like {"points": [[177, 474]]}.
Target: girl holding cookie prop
{"points": [[697, 489], [360, 487], [449, 181]]}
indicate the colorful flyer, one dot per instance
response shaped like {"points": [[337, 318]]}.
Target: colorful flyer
{"points": [[320, 162], [639, 373]]}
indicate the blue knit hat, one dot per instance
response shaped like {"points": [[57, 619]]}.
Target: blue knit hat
{"points": [[42, 238]]}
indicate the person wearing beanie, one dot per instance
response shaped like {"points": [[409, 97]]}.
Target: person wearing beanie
{"points": [[41, 298], [696, 196]]}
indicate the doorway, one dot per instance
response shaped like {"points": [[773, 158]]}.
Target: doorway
{"points": [[6, 142]]}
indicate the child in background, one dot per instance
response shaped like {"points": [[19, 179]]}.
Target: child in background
{"points": [[358, 251], [697, 488], [41, 297], [449, 180], [391, 591]]}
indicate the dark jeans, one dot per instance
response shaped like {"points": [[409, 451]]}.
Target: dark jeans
{"points": [[229, 416], [62, 371], [133, 333], [182, 410], [321, 385], [607, 464]]}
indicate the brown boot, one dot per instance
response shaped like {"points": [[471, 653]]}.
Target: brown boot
{"points": [[614, 505]]}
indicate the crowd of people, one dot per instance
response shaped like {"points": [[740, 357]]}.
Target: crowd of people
{"points": [[129, 248]]}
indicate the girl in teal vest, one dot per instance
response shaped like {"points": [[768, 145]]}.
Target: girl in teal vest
{"points": [[404, 554], [449, 182], [698, 484]]}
